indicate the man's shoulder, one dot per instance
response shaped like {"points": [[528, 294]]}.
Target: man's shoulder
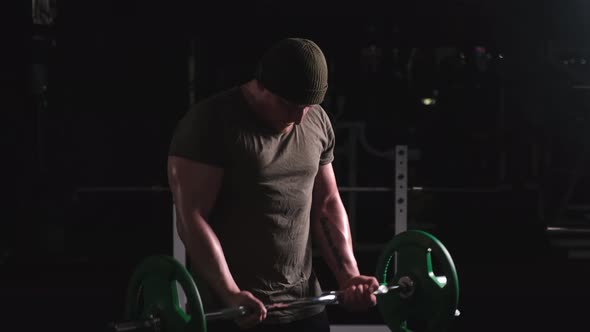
{"points": [[217, 103], [318, 109], [318, 115]]}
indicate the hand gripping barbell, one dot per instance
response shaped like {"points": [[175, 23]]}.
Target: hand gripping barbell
{"points": [[419, 288]]}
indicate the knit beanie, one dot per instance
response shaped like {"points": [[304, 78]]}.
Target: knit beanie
{"points": [[295, 69]]}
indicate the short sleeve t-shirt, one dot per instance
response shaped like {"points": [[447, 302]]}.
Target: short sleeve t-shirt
{"points": [[262, 213]]}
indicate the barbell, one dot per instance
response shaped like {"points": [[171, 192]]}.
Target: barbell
{"points": [[419, 289]]}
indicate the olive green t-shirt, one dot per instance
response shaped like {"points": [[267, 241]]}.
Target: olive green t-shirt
{"points": [[262, 213]]}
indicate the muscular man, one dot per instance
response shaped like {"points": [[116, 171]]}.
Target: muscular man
{"points": [[251, 176]]}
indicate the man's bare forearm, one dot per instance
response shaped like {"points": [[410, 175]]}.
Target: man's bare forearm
{"points": [[332, 237], [206, 255]]}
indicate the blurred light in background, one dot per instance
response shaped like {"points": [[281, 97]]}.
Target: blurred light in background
{"points": [[428, 101]]}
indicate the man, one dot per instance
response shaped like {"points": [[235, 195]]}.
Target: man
{"points": [[251, 175]]}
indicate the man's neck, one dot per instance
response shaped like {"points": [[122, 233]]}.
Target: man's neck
{"points": [[251, 93]]}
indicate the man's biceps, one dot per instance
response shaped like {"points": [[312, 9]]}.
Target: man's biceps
{"points": [[194, 170], [192, 165], [325, 180]]}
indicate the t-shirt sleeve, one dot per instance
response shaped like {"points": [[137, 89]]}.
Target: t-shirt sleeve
{"points": [[198, 136], [327, 155]]}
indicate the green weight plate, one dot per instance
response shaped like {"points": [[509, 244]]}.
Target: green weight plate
{"points": [[424, 259], [152, 291]]}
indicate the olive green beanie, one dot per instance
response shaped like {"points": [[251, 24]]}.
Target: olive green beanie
{"points": [[295, 69]]}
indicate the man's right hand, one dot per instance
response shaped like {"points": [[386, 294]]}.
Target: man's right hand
{"points": [[256, 311]]}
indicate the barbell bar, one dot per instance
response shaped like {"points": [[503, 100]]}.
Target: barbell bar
{"points": [[327, 298]]}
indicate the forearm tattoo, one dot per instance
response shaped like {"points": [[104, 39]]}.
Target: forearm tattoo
{"points": [[331, 244]]}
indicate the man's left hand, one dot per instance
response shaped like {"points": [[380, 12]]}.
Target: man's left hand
{"points": [[358, 293]]}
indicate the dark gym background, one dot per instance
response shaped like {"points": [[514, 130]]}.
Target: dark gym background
{"points": [[93, 90]]}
